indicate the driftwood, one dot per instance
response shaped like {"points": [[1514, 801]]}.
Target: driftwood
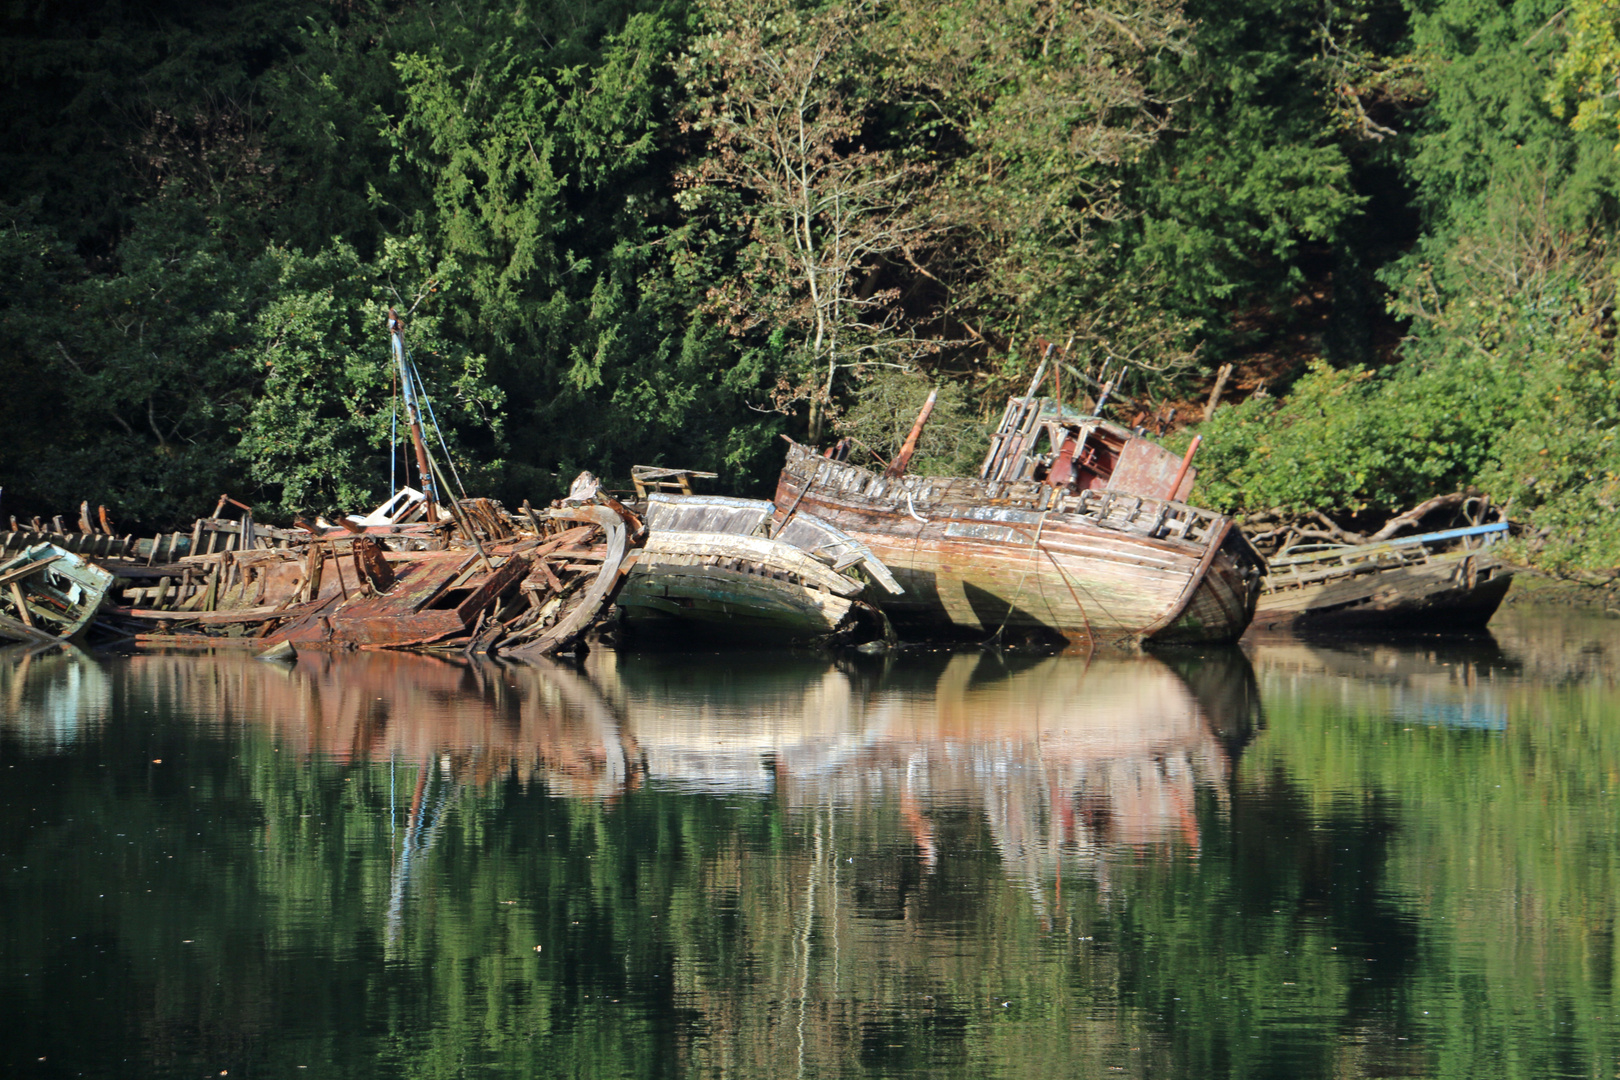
{"points": [[1418, 513], [1334, 532], [1278, 529], [1215, 394]]}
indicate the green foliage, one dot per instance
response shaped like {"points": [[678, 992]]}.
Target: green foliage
{"points": [[318, 434], [541, 148], [1583, 80], [141, 371], [110, 104], [1031, 115], [953, 442], [1558, 464], [1506, 381], [39, 270], [640, 261], [1254, 173], [1350, 440]]}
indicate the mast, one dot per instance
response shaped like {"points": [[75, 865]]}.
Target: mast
{"points": [[396, 333], [897, 467]]}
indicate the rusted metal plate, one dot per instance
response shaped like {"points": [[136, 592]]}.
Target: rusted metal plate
{"points": [[1146, 468]]}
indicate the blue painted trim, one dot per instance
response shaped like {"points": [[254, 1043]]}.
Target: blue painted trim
{"points": [[1451, 534]]}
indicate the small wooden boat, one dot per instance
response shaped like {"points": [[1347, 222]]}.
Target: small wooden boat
{"points": [[49, 594], [720, 566], [1085, 542], [1448, 580]]}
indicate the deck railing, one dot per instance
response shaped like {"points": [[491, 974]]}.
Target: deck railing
{"points": [[935, 495]]}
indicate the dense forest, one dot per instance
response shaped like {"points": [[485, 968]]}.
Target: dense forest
{"points": [[666, 232]]}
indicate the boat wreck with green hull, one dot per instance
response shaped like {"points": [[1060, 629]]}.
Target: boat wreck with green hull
{"points": [[1082, 543]]}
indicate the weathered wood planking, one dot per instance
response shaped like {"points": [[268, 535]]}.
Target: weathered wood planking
{"points": [[717, 565], [978, 556], [738, 585], [1407, 589]]}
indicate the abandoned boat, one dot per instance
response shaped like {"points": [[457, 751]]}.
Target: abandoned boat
{"points": [[1072, 530], [49, 594], [722, 567], [1448, 580], [533, 583]]}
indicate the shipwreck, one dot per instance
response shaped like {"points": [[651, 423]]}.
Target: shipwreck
{"points": [[727, 568], [1074, 530], [1451, 579]]}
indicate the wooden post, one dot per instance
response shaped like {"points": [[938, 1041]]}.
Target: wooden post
{"points": [[897, 467], [22, 605], [1221, 376], [1185, 463], [413, 420]]}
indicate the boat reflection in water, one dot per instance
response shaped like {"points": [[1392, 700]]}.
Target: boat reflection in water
{"points": [[723, 849], [1057, 753], [1459, 682], [51, 695]]}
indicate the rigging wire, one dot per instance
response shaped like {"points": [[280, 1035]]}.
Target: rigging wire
{"points": [[393, 442], [422, 396]]}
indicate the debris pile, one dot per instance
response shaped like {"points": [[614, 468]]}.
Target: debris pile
{"points": [[470, 577]]}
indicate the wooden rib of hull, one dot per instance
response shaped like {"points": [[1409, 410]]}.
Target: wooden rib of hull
{"points": [[973, 564]]}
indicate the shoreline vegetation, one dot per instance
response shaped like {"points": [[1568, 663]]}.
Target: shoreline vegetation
{"points": [[1362, 250]]}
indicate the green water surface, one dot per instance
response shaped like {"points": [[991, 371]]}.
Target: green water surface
{"points": [[1296, 860]]}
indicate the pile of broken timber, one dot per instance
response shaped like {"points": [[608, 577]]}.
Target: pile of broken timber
{"points": [[535, 584]]}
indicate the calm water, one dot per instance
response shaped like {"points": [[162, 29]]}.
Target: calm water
{"points": [[1295, 861]]}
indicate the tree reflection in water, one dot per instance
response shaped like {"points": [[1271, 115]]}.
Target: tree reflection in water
{"points": [[748, 865]]}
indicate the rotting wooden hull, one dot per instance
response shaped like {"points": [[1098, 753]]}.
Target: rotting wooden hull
{"points": [[531, 594], [51, 594], [978, 557], [706, 569], [1456, 591], [731, 596]]}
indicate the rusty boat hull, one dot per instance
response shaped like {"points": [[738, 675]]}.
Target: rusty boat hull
{"points": [[978, 557]]}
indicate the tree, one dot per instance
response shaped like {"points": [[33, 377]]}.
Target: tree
{"points": [[1034, 111], [320, 431], [544, 146], [783, 97], [1584, 80], [147, 370]]}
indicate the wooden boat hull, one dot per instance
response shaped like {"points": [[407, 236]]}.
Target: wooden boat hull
{"points": [[675, 597], [51, 594], [1456, 591], [974, 562], [740, 588]]}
